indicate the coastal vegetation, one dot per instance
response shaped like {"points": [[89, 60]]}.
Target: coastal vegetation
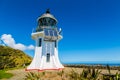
{"points": [[68, 73], [13, 58], [75, 74]]}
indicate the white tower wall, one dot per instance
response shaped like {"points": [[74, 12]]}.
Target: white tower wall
{"points": [[39, 61]]}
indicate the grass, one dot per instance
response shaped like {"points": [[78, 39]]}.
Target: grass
{"points": [[73, 74], [88, 73], [34, 76], [5, 75]]}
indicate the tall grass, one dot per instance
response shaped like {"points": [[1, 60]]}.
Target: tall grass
{"points": [[73, 74], [34, 76], [111, 76], [61, 74], [87, 74]]}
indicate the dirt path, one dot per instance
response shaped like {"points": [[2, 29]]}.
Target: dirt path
{"points": [[18, 74]]}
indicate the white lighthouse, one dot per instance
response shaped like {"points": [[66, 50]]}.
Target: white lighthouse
{"points": [[47, 37]]}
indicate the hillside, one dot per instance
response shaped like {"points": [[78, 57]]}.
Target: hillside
{"points": [[11, 58]]}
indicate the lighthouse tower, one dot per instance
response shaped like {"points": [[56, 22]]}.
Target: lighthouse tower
{"points": [[47, 37]]}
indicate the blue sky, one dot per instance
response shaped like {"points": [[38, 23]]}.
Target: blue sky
{"points": [[91, 28]]}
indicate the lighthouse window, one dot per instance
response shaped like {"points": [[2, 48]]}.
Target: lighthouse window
{"points": [[55, 44], [51, 32], [46, 32], [48, 57], [40, 42], [55, 33]]}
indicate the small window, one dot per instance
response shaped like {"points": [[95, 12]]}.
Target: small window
{"points": [[55, 44], [40, 40], [48, 57]]}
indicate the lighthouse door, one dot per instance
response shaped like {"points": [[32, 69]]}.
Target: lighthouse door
{"points": [[49, 50], [48, 57]]}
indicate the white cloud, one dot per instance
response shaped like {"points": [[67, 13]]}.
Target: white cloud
{"points": [[10, 41], [30, 47], [20, 46]]}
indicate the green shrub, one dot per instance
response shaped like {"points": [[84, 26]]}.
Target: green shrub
{"points": [[74, 75], [11, 58], [90, 74]]}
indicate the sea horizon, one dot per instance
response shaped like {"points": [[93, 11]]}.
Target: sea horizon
{"points": [[103, 63]]}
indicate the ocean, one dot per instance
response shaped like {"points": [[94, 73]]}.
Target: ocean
{"points": [[93, 63]]}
